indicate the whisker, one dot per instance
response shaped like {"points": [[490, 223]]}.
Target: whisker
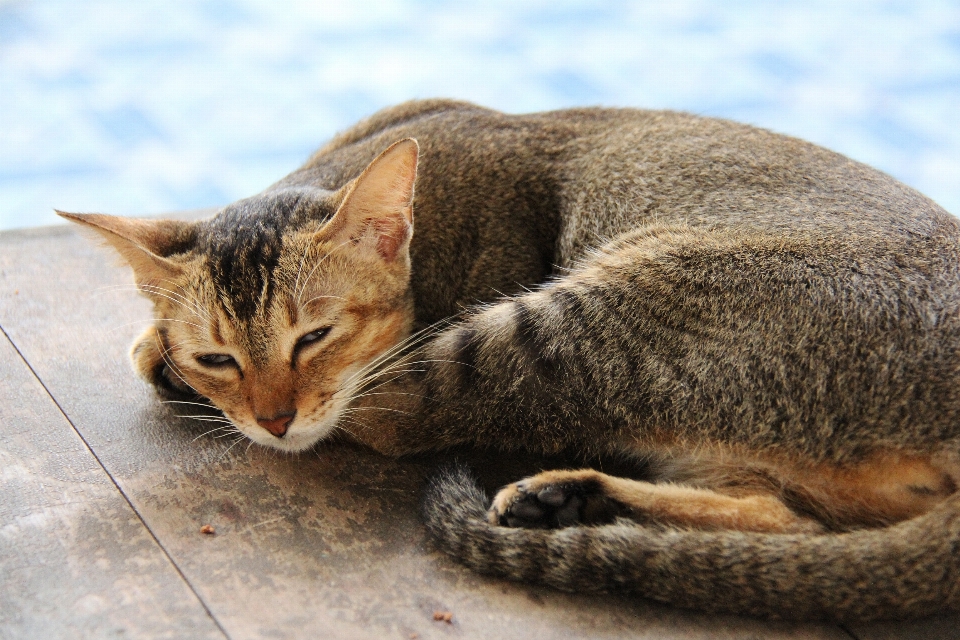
{"points": [[303, 258], [393, 369], [237, 441], [198, 404], [206, 419], [194, 324], [319, 297], [182, 299], [173, 367], [317, 266], [390, 393], [206, 433], [190, 305], [352, 422], [350, 410], [188, 302], [418, 337]]}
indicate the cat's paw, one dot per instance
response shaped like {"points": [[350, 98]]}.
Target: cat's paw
{"points": [[148, 361], [546, 501]]}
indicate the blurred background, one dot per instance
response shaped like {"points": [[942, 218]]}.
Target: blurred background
{"points": [[141, 107]]}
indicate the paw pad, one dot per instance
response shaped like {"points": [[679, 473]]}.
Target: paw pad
{"points": [[548, 507]]}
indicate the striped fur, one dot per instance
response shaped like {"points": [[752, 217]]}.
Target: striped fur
{"points": [[773, 328], [906, 570]]}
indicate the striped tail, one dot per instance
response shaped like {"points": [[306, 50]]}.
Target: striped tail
{"points": [[907, 570]]}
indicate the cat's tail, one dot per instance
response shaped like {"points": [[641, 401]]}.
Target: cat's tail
{"points": [[907, 570]]}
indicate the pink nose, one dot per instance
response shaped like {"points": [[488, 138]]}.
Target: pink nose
{"points": [[278, 425]]}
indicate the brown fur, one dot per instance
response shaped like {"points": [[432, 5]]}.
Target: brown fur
{"points": [[774, 328]]}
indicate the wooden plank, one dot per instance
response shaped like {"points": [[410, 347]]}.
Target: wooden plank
{"points": [[75, 559], [326, 543]]}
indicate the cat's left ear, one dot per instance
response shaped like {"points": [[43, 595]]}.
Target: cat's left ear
{"points": [[376, 214]]}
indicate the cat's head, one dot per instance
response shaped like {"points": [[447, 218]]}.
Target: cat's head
{"points": [[271, 308]]}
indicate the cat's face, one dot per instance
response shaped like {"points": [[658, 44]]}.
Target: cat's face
{"points": [[276, 322]]}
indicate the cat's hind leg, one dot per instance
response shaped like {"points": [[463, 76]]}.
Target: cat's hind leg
{"points": [[562, 498]]}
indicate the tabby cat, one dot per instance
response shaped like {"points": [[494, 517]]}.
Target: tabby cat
{"points": [[770, 327]]}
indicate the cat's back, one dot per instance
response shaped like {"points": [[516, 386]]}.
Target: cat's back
{"points": [[502, 200], [676, 168], [641, 164]]}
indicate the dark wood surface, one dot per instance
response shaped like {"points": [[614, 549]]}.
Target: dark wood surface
{"points": [[105, 490]]}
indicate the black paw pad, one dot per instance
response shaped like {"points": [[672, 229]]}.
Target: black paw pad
{"points": [[551, 507]]}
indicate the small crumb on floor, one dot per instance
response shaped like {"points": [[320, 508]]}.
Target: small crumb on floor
{"points": [[445, 616], [208, 529]]}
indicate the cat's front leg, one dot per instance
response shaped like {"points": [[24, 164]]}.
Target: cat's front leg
{"points": [[389, 419], [562, 498]]}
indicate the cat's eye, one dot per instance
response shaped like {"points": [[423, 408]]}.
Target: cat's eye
{"points": [[216, 360], [309, 338]]}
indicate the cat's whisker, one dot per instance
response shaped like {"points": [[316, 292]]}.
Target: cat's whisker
{"points": [[123, 325], [198, 404], [350, 410], [419, 336], [189, 304], [193, 324], [322, 297], [359, 391], [173, 367], [317, 266], [407, 363], [415, 338], [373, 364], [393, 369], [303, 258], [206, 433], [181, 295], [201, 416], [359, 388], [391, 393], [369, 372], [352, 422], [207, 419], [235, 443]]}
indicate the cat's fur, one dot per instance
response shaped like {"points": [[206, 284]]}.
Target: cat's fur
{"points": [[774, 328]]}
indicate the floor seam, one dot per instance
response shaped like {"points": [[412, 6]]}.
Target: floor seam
{"points": [[116, 484]]}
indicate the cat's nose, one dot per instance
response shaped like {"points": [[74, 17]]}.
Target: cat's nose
{"points": [[278, 424]]}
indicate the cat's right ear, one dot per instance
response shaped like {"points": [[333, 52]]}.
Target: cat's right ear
{"points": [[143, 244], [376, 213]]}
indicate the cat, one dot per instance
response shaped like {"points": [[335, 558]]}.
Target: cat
{"points": [[770, 328]]}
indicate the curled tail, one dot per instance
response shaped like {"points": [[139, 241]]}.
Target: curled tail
{"points": [[907, 570]]}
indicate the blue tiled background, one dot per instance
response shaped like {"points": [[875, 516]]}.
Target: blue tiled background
{"points": [[145, 106]]}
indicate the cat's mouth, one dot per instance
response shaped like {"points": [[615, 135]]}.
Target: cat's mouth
{"points": [[301, 433]]}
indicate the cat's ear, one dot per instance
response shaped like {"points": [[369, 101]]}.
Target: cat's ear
{"points": [[143, 244], [376, 214]]}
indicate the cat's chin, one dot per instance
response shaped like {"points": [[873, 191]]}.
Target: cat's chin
{"points": [[293, 441]]}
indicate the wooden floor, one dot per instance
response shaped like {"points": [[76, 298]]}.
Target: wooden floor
{"points": [[103, 491]]}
